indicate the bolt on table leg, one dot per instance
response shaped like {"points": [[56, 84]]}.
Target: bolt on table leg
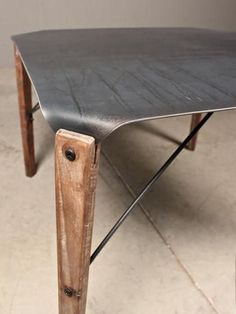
{"points": [[76, 161]]}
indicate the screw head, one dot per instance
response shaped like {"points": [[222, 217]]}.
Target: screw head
{"points": [[70, 154], [68, 292]]}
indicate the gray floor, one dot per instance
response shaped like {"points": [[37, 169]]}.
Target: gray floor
{"points": [[175, 253]]}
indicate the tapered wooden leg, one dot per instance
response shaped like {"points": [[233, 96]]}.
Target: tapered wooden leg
{"points": [[26, 121], [196, 118], [76, 159]]}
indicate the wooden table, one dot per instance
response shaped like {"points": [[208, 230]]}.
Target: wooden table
{"points": [[90, 82]]}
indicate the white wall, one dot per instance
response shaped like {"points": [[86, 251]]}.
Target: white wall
{"points": [[28, 15]]}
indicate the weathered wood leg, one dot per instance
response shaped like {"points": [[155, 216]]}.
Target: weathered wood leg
{"points": [[196, 118], [26, 121], [76, 159]]}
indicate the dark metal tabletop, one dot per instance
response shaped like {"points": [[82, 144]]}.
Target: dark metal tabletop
{"points": [[93, 81]]}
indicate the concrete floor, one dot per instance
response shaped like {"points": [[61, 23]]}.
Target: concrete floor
{"points": [[174, 255]]}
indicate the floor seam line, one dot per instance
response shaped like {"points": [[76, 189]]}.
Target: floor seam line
{"points": [[164, 240]]}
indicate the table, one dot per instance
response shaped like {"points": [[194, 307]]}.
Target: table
{"points": [[90, 82]]}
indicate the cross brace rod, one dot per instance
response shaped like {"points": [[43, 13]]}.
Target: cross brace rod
{"points": [[148, 186], [33, 110]]}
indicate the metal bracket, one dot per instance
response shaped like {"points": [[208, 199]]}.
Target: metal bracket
{"points": [[31, 112], [148, 186]]}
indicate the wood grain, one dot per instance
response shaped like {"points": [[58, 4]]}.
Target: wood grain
{"points": [[75, 190], [196, 118], [26, 121]]}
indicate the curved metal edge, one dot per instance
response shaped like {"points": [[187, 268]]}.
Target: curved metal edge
{"points": [[119, 125]]}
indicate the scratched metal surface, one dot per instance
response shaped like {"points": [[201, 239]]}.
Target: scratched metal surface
{"points": [[94, 81]]}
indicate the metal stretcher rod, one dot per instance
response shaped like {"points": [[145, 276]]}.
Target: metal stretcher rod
{"points": [[148, 186]]}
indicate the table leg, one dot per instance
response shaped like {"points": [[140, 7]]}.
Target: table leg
{"points": [[26, 121], [196, 118], [76, 160]]}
